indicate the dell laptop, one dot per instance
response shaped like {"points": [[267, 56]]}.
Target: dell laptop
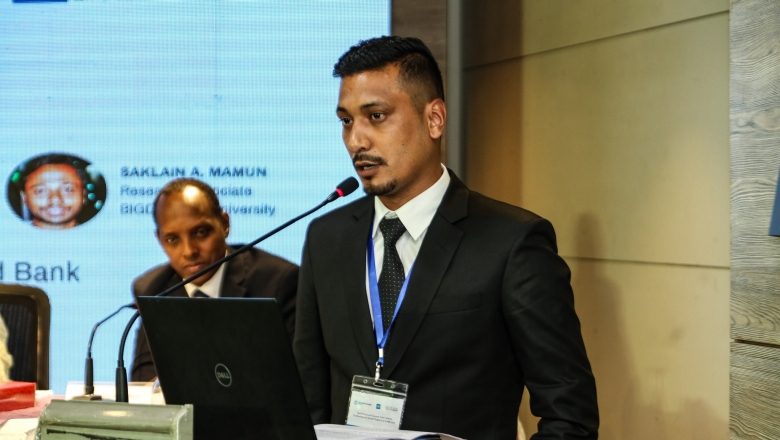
{"points": [[231, 358]]}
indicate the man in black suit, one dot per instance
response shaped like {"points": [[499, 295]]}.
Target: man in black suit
{"points": [[192, 230], [488, 306]]}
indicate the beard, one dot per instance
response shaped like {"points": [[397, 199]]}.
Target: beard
{"points": [[379, 189], [370, 188]]}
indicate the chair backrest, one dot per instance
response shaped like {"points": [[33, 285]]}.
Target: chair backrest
{"points": [[27, 314]]}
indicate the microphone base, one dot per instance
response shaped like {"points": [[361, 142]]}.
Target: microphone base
{"points": [[88, 397], [121, 383]]}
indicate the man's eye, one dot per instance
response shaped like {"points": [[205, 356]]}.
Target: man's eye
{"points": [[345, 121], [201, 232], [171, 240], [376, 116]]}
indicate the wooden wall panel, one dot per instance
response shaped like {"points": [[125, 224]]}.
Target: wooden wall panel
{"points": [[755, 402], [755, 257], [506, 29], [755, 160]]}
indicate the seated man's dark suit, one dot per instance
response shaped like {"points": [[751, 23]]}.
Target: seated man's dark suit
{"points": [[253, 274], [488, 309]]}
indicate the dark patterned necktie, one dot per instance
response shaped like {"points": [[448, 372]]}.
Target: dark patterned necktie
{"points": [[392, 277], [198, 294]]}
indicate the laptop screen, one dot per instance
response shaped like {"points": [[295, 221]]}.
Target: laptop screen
{"points": [[231, 358]]}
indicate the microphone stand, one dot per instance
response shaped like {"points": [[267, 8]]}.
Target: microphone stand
{"points": [[89, 385], [345, 188]]}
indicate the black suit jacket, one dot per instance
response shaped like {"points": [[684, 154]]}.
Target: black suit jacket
{"points": [[253, 274], [488, 309]]}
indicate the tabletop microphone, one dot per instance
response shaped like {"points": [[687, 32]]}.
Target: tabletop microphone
{"points": [[345, 188], [89, 384]]}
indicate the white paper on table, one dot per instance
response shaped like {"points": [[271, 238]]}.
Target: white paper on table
{"points": [[43, 393], [342, 432], [18, 429], [137, 392]]}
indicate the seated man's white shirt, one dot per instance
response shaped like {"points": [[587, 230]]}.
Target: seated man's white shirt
{"points": [[210, 288]]}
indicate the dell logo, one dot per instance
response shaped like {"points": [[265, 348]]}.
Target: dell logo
{"points": [[223, 375]]}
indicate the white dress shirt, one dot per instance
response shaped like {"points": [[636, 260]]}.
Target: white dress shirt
{"points": [[416, 215], [210, 288]]}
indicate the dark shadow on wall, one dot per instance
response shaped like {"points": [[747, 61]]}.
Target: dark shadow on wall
{"points": [[625, 413], [492, 97]]}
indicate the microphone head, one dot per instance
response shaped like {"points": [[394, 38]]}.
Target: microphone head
{"points": [[345, 188], [348, 186]]}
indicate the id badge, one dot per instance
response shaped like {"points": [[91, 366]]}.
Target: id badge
{"points": [[376, 403]]}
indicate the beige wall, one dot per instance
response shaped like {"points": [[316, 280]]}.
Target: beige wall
{"points": [[611, 119]]}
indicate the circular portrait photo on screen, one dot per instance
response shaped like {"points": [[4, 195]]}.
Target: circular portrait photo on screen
{"points": [[56, 191]]}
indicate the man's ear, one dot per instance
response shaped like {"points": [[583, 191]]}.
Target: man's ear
{"points": [[226, 223], [436, 118]]}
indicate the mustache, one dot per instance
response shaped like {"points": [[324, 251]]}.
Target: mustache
{"points": [[368, 158]]}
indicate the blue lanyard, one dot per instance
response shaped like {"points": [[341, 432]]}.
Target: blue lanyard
{"points": [[376, 306]]}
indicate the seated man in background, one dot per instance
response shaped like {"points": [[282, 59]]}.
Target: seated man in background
{"points": [[192, 230]]}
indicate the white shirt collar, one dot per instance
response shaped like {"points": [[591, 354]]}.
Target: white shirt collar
{"points": [[211, 287], [416, 214]]}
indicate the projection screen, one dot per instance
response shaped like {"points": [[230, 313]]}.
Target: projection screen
{"points": [[120, 96]]}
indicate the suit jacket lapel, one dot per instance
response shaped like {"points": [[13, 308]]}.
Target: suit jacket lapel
{"points": [[439, 246], [172, 281], [353, 252], [233, 277]]}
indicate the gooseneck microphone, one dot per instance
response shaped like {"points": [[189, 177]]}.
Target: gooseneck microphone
{"points": [[345, 188], [89, 384]]}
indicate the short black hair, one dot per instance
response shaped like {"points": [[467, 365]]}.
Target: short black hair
{"points": [[31, 166], [176, 186], [418, 68]]}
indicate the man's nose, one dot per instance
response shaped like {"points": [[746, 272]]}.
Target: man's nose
{"points": [[190, 249], [55, 197], [356, 138]]}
